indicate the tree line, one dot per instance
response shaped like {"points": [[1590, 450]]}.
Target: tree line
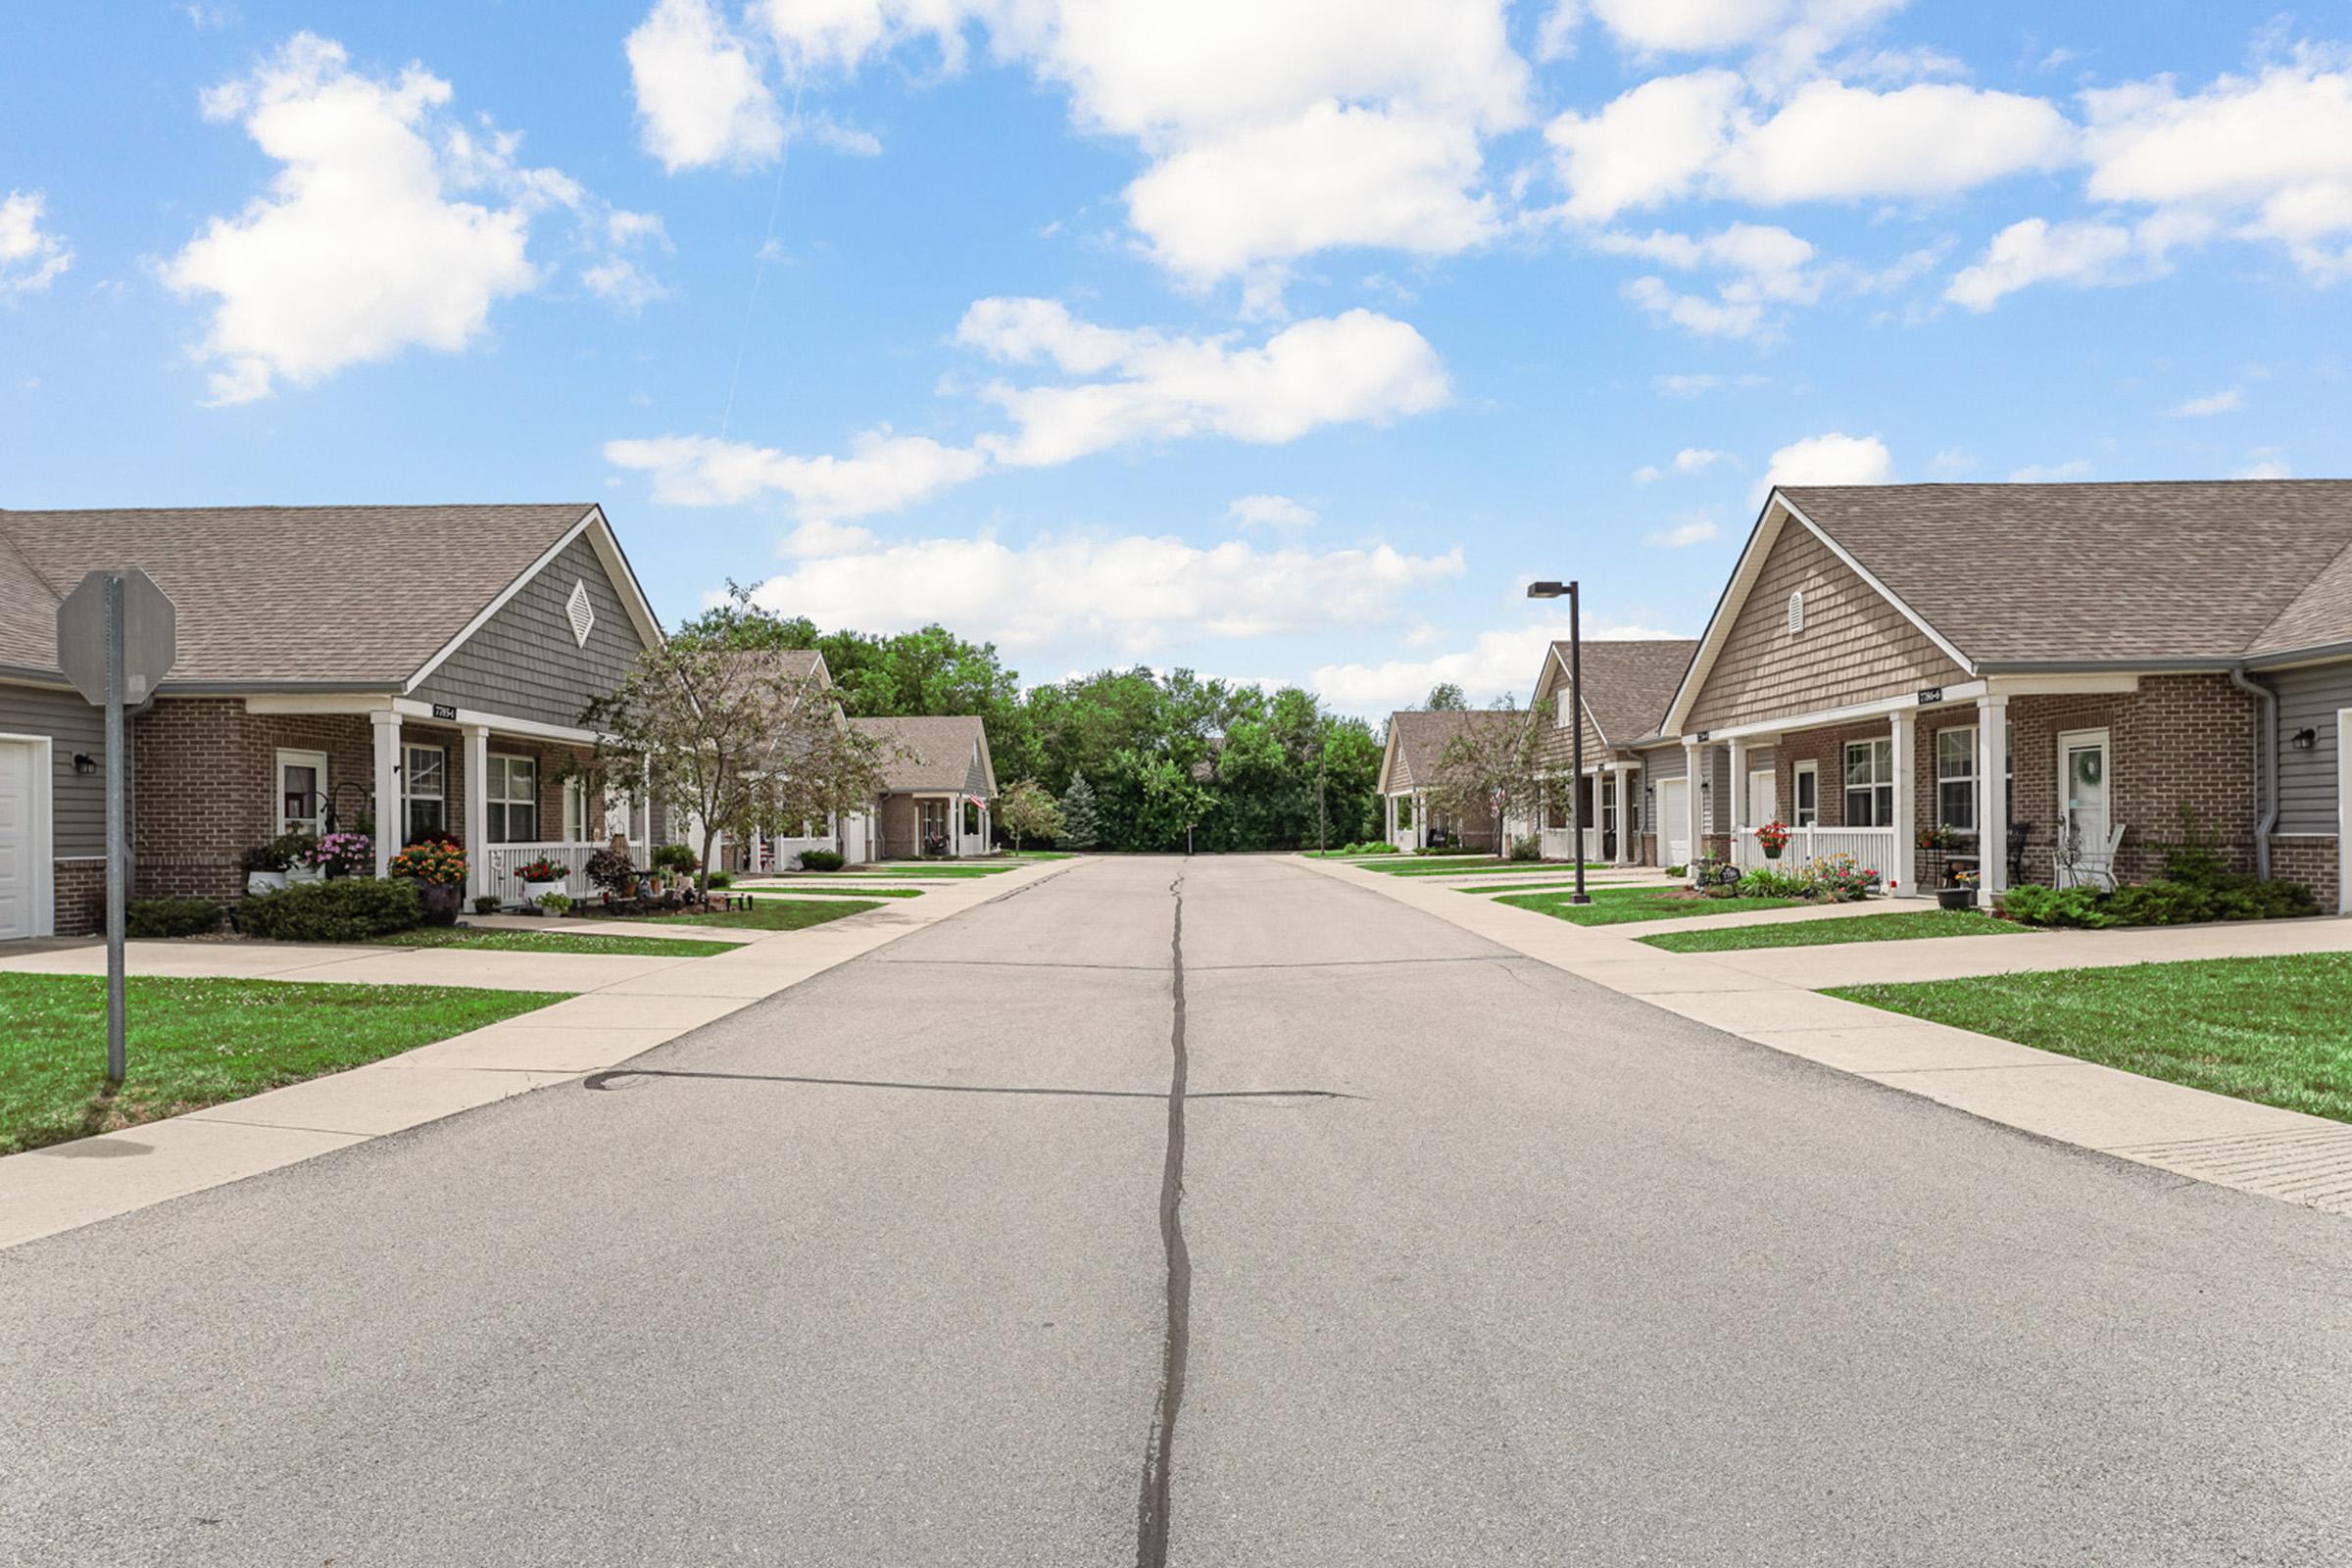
{"points": [[1161, 752]]}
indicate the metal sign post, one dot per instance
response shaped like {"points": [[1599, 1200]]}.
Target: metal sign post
{"points": [[116, 636]]}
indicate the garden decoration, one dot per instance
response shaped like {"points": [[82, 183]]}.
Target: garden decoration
{"points": [[1773, 838]]}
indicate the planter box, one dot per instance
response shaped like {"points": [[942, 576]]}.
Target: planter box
{"points": [[533, 891], [306, 873], [266, 881], [1956, 898]]}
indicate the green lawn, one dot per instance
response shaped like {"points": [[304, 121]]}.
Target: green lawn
{"points": [[777, 915], [803, 888], [2270, 1030], [197, 1042], [1830, 933], [1482, 867], [500, 941], [1621, 906], [892, 869], [1038, 855]]}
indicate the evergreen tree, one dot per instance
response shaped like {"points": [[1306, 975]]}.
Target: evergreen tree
{"points": [[1081, 828]]}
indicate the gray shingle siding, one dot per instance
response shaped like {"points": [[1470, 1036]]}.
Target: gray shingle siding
{"points": [[2310, 699], [524, 663], [77, 802], [975, 777]]}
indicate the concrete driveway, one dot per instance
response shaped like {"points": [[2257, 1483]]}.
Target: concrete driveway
{"points": [[1443, 1257]]}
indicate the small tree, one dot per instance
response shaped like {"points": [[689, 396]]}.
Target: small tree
{"points": [[1028, 811], [733, 739], [1490, 768], [1447, 697], [1081, 822]]}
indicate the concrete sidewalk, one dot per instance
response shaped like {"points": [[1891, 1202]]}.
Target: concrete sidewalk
{"points": [[1772, 997], [622, 1008]]}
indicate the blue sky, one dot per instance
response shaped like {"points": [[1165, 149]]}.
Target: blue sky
{"points": [[1280, 340]]}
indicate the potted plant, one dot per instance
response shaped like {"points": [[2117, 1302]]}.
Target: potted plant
{"points": [[1773, 838], [675, 863], [439, 867], [1961, 894], [540, 877], [609, 872], [339, 855], [265, 866], [301, 853]]}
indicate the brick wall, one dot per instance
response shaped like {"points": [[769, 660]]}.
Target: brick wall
{"points": [[2310, 858], [80, 885]]}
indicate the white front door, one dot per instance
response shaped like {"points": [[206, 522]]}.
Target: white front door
{"points": [[1763, 798], [1674, 822], [20, 837], [2083, 793]]}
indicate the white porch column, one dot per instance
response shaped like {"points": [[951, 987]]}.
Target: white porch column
{"points": [[1627, 853], [1695, 801], [476, 807], [1738, 816], [1992, 797], [387, 724], [1902, 866]]}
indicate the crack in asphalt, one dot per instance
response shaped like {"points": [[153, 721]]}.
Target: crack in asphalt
{"points": [[1151, 1517], [604, 1080]]}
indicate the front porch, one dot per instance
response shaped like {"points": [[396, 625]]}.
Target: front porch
{"points": [[1607, 804], [935, 824]]}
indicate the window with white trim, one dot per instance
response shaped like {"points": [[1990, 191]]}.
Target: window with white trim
{"points": [[1870, 783], [302, 791], [1956, 779], [513, 787], [576, 810], [1806, 778], [424, 792]]}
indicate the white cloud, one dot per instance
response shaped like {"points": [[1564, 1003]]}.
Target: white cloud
{"points": [[1693, 384], [1832, 457], [1270, 512], [2270, 152], [2269, 462], [2081, 252], [699, 95], [369, 241], [1697, 136], [1137, 591], [31, 258], [1683, 533], [1148, 385], [2050, 473], [1951, 462], [1498, 663], [1355, 367], [1770, 266], [2227, 400], [819, 538], [1648, 473], [882, 474], [1690, 459]]}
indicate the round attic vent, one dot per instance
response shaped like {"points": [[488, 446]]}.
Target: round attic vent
{"points": [[1797, 611]]}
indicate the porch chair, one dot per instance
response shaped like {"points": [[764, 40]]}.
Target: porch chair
{"points": [[2089, 868]]}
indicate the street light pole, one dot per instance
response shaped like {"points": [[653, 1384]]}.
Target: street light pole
{"points": [[1576, 731]]}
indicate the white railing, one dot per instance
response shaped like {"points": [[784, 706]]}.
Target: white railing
{"points": [[1593, 843], [1873, 847], [501, 861], [1559, 843]]}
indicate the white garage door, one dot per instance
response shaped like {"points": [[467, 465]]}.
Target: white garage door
{"points": [[20, 838], [1674, 820]]}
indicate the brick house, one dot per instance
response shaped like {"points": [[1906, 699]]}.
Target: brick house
{"points": [[422, 669], [939, 780], [2081, 665], [1408, 771], [1626, 684]]}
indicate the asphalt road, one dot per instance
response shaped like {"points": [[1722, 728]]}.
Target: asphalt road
{"points": [[1473, 1263]]}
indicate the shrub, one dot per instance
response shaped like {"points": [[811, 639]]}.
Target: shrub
{"points": [[610, 869], [171, 917], [1673, 870], [487, 904], [553, 903], [1840, 878], [820, 861], [675, 858], [720, 879], [1375, 847], [273, 856], [348, 909], [1527, 848], [1768, 883], [2034, 905]]}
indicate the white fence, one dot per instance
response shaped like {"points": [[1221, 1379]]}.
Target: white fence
{"points": [[1873, 847], [500, 861]]}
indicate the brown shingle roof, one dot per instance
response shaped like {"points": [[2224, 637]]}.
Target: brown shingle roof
{"points": [[271, 594], [1628, 682], [937, 752], [1419, 736], [2088, 573]]}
